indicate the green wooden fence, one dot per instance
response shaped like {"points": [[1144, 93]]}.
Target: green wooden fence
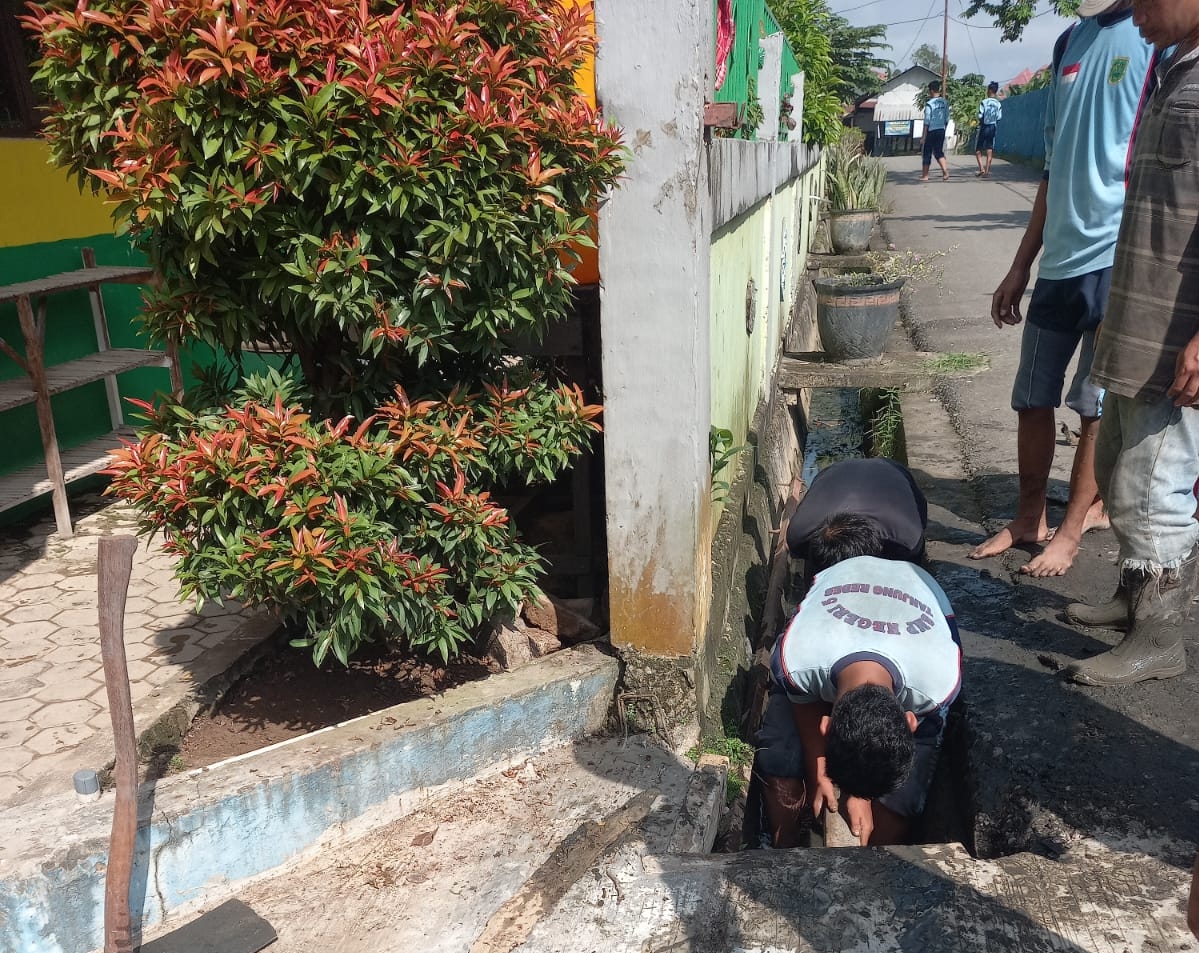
{"points": [[752, 20]]}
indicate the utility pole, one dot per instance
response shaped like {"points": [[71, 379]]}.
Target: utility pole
{"points": [[945, 53]]}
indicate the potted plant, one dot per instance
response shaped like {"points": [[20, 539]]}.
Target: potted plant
{"points": [[853, 188], [856, 310]]}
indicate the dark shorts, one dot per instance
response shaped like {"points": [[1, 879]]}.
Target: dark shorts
{"points": [[1070, 304], [986, 136], [1062, 314], [780, 753], [934, 144]]}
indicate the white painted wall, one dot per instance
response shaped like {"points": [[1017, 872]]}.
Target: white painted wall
{"points": [[770, 76]]}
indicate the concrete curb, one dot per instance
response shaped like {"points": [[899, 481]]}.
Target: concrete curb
{"points": [[209, 831]]}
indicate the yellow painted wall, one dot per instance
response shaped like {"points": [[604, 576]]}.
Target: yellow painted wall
{"points": [[587, 271], [38, 203]]}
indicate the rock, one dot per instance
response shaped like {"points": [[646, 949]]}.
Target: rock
{"points": [[550, 615], [542, 642], [510, 646]]}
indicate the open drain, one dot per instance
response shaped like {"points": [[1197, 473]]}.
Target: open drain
{"points": [[843, 423]]}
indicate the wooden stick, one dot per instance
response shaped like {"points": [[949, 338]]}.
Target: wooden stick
{"points": [[32, 327], [115, 568]]}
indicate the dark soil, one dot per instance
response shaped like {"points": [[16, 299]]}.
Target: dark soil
{"points": [[285, 695]]}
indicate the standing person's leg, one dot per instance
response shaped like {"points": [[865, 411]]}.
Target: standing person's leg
{"points": [[1146, 474], [1036, 391], [939, 152], [926, 155], [978, 157], [990, 156], [1114, 612], [1059, 552], [1083, 505]]}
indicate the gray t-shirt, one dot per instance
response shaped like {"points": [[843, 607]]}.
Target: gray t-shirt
{"points": [[869, 609]]}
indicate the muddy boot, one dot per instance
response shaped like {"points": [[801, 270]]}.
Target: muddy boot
{"points": [[1112, 614], [1153, 647]]}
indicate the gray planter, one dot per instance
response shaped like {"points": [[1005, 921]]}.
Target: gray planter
{"points": [[854, 321], [850, 230]]}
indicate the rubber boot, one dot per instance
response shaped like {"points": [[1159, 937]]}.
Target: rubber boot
{"points": [[1111, 614], [1153, 647]]}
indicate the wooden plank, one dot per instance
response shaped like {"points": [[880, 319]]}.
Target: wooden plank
{"points": [[819, 260], [114, 569], [84, 370], [913, 371], [77, 463], [72, 280]]}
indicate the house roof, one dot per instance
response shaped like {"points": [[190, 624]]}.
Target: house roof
{"points": [[917, 76], [893, 112]]}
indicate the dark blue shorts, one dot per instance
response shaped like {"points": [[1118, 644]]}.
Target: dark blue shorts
{"points": [[1062, 314], [1070, 304], [934, 144], [986, 136]]}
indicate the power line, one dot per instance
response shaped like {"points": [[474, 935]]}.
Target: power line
{"points": [[860, 6], [992, 26], [903, 59], [977, 65]]}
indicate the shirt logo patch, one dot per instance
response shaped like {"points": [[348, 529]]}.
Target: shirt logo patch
{"points": [[1118, 70], [1070, 73]]}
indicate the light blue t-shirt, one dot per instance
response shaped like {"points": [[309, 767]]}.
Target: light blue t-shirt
{"points": [[1089, 118], [990, 111], [868, 609], [936, 113]]}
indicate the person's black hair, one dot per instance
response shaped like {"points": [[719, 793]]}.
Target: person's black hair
{"points": [[843, 536], [992, 87], [869, 747], [934, 86]]}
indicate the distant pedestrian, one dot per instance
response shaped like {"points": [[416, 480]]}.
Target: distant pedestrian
{"points": [[936, 119], [1101, 69], [1147, 357], [990, 111]]}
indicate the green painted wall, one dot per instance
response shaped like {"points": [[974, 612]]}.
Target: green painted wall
{"points": [[81, 414], [768, 245]]}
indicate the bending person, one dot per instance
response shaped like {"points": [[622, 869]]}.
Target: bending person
{"points": [[876, 491], [863, 679]]}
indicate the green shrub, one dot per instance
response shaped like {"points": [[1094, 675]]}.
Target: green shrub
{"points": [[383, 193], [852, 179]]}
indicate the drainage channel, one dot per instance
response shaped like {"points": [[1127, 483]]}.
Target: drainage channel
{"points": [[844, 423]]}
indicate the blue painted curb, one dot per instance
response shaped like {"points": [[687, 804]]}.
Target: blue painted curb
{"points": [[217, 827]]}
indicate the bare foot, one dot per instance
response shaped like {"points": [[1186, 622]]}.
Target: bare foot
{"points": [[1057, 556], [1096, 518], [1016, 532]]}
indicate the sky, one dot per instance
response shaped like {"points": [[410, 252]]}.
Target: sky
{"points": [[974, 45]]}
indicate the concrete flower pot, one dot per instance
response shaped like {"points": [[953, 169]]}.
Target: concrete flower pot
{"points": [[855, 320], [850, 230]]}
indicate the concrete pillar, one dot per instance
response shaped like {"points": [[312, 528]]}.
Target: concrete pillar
{"points": [[653, 73]]}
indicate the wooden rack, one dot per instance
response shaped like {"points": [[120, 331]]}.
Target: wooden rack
{"points": [[40, 382]]}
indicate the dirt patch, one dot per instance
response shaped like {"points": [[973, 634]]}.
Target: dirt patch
{"points": [[285, 695]]}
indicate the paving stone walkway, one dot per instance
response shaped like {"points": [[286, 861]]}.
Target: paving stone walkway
{"points": [[53, 707]]}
